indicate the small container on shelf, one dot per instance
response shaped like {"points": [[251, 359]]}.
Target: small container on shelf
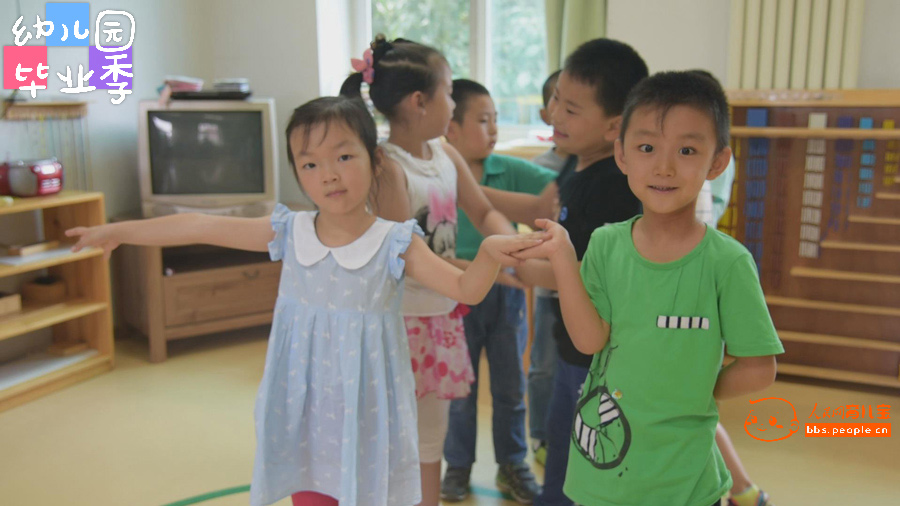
{"points": [[44, 290], [10, 303], [21, 250]]}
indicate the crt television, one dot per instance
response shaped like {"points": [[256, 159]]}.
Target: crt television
{"points": [[208, 156]]}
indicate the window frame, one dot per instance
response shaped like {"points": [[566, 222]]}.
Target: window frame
{"points": [[480, 50], [479, 46]]}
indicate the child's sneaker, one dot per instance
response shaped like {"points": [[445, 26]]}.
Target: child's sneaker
{"points": [[455, 485], [753, 496], [540, 453], [518, 481]]}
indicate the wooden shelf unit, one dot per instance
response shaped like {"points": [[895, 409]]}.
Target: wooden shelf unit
{"points": [[817, 201], [179, 292], [86, 314]]}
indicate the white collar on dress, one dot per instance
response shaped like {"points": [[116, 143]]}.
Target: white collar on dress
{"points": [[309, 249]]}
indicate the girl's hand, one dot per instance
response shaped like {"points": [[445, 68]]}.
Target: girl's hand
{"points": [[502, 247], [101, 236], [556, 246]]}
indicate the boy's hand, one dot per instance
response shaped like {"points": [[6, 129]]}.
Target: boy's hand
{"points": [[101, 236], [556, 247], [502, 248]]}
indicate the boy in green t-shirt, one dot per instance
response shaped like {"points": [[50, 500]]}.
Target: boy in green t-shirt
{"points": [[660, 298], [496, 325]]}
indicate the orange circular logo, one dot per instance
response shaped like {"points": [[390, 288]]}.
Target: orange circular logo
{"points": [[765, 421]]}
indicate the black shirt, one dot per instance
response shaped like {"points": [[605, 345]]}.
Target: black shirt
{"points": [[589, 199]]}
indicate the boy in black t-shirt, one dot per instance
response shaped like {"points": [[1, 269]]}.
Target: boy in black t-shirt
{"points": [[592, 191]]}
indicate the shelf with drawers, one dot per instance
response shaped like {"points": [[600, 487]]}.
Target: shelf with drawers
{"points": [[178, 292]]}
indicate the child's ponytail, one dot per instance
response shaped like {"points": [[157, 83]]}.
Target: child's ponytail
{"points": [[365, 68], [351, 86], [393, 70]]}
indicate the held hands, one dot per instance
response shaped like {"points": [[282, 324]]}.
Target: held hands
{"points": [[556, 245], [506, 248], [101, 236]]}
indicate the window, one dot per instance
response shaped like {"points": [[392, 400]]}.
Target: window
{"points": [[437, 23], [500, 43], [518, 64]]}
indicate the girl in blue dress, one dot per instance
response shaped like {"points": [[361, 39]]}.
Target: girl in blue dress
{"points": [[336, 410]]}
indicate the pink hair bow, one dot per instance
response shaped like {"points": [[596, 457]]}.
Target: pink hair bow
{"points": [[366, 66]]}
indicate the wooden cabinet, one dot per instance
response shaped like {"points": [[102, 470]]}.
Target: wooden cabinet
{"points": [[84, 316], [817, 202], [179, 292]]}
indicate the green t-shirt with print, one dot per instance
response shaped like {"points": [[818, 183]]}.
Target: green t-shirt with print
{"points": [[503, 173], [645, 424]]}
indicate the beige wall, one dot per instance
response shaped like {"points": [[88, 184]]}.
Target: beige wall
{"points": [[673, 35], [678, 35], [879, 63]]}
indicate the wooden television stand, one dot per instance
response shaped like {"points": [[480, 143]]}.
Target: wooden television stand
{"points": [[170, 293]]}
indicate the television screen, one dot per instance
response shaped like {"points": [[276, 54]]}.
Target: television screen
{"points": [[206, 152]]}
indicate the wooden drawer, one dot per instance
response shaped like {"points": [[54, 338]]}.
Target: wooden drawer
{"points": [[220, 293]]}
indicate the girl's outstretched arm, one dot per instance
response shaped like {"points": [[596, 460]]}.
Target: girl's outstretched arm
{"points": [[504, 278], [473, 284], [253, 234], [472, 200]]}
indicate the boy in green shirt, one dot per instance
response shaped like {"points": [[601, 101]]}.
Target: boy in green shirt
{"points": [[496, 325], [659, 299]]}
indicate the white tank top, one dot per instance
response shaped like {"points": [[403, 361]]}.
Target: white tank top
{"points": [[431, 187], [704, 210]]}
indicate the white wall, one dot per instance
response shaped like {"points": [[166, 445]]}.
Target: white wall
{"points": [[273, 44], [694, 34], [671, 35], [879, 63], [337, 45], [163, 44]]}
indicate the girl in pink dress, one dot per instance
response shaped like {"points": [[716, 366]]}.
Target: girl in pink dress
{"points": [[411, 84]]}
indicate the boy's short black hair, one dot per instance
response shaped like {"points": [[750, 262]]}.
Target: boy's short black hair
{"points": [[691, 88], [706, 73], [463, 90], [613, 68], [549, 85]]}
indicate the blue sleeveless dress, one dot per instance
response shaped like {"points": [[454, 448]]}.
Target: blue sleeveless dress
{"points": [[336, 410]]}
